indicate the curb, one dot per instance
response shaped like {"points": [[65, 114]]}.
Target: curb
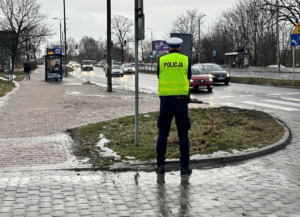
{"points": [[199, 163]]}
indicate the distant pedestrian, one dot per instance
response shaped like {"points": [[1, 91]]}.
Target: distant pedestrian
{"points": [[27, 70], [174, 73], [246, 63]]}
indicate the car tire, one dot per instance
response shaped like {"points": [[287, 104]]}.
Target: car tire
{"points": [[226, 82]]}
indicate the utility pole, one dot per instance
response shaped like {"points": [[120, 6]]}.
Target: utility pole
{"points": [[109, 82], [65, 35]]}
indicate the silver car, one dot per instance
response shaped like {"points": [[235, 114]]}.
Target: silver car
{"points": [[115, 71], [128, 68], [219, 74]]}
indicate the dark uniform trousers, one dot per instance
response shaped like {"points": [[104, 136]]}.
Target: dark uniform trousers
{"points": [[171, 106]]}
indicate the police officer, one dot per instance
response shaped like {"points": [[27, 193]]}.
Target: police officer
{"points": [[174, 73]]}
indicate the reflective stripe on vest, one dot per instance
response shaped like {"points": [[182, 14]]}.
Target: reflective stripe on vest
{"points": [[173, 75]]}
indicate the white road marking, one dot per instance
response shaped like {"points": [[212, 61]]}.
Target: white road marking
{"points": [[291, 99], [293, 93], [270, 106], [246, 96], [282, 102]]}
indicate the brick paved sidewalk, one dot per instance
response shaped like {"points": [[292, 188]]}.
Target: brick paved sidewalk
{"points": [[35, 117]]}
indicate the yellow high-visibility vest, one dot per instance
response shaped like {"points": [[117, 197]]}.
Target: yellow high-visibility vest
{"points": [[173, 78]]}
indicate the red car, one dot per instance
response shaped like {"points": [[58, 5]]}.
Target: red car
{"points": [[201, 80]]}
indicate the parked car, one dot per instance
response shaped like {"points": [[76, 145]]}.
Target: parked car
{"points": [[219, 74], [87, 65], [127, 68], [115, 71], [201, 80]]}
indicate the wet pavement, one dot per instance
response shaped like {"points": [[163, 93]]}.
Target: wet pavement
{"points": [[38, 175]]}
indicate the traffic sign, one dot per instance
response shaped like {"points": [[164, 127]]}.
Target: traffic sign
{"points": [[297, 29], [295, 39]]}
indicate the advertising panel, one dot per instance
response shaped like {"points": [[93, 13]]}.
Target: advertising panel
{"points": [[159, 45]]}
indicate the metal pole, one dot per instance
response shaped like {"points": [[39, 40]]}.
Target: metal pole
{"points": [[60, 39], [294, 62], [108, 46], [136, 76], [65, 35], [60, 32], [277, 33], [151, 48], [199, 39]]}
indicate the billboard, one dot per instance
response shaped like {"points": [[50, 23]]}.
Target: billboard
{"points": [[159, 45]]}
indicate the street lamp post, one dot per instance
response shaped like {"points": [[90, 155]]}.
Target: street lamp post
{"points": [[199, 20], [60, 39], [65, 36], [151, 48]]}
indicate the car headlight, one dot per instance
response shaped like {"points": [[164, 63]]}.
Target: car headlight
{"points": [[228, 75], [210, 79], [191, 80]]}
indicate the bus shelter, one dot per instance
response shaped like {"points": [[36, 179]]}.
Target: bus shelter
{"points": [[53, 65]]}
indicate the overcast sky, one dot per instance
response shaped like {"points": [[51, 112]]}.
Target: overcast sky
{"points": [[88, 17]]}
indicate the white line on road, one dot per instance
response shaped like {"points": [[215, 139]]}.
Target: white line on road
{"points": [[291, 99], [293, 93], [246, 96], [282, 102], [270, 106]]}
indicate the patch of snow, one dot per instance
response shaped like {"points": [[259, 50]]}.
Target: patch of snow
{"points": [[106, 152], [275, 66]]}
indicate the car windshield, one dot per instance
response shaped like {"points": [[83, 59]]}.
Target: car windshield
{"points": [[87, 62], [128, 65], [212, 68], [115, 67], [197, 71]]}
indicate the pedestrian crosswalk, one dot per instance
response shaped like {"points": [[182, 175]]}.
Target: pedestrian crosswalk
{"points": [[268, 105], [289, 102], [280, 101]]}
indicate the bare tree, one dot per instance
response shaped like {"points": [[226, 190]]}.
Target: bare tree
{"points": [[190, 23], [71, 51], [89, 48], [25, 19], [121, 27], [288, 10], [252, 29]]}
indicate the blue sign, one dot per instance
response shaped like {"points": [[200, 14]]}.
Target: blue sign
{"points": [[57, 50], [295, 39], [214, 53], [159, 45]]}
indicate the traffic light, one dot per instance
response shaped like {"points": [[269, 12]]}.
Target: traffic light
{"points": [[150, 55], [125, 42], [111, 43], [76, 46]]}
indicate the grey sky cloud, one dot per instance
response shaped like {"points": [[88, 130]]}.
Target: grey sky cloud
{"points": [[88, 17]]}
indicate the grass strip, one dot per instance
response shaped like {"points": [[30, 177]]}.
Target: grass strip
{"points": [[213, 129]]}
